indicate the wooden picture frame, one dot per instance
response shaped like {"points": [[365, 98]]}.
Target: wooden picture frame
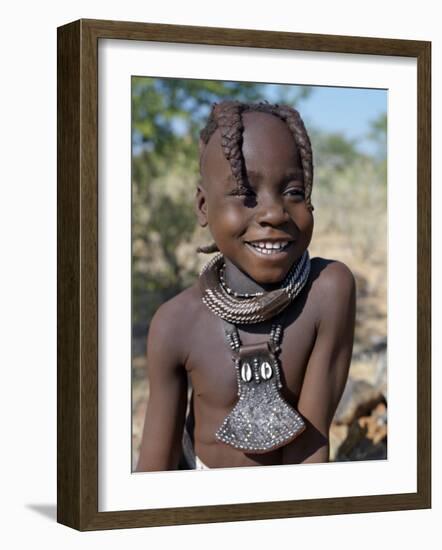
{"points": [[77, 310]]}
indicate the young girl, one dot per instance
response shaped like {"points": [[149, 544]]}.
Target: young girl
{"points": [[266, 333]]}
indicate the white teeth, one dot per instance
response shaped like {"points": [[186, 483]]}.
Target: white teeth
{"points": [[269, 247]]}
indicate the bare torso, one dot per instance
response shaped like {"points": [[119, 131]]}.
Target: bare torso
{"points": [[206, 359], [213, 377]]}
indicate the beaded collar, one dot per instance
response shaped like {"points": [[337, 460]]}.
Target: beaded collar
{"points": [[249, 308]]}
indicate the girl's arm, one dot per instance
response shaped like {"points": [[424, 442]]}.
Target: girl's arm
{"points": [[327, 370], [166, 409]]}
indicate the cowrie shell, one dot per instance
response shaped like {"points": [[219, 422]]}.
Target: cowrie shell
{"points": [[266, 371], [246, 372]]}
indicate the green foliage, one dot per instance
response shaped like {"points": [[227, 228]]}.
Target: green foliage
{"points": [[333, 150], [168, 113]]}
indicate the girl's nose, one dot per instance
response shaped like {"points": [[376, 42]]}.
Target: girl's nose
{"points": [[271, 211]]}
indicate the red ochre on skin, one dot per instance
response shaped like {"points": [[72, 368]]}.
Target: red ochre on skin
{"points": [[271, 209]]}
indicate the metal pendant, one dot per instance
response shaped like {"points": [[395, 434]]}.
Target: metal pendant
{"points": [[261, 420]]}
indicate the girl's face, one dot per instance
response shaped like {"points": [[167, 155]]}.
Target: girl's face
{"points": [[265, 227]]}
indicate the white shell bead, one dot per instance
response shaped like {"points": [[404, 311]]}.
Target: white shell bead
{"points": [[246, 372], [266, 371]]}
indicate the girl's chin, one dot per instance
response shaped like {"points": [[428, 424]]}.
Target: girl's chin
{"points": [[269, 279]]}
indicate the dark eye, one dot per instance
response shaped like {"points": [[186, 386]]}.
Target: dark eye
{"points": [[295, 192]]}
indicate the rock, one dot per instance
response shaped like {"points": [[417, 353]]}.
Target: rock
{"points": [[375, 424], [366, 438], [358, 399]]}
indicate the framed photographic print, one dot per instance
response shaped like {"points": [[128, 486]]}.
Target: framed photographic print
{"points": [[134, 101]]}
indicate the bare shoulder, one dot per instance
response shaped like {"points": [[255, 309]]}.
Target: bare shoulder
{"points": [[333, 286], [173, 320], [332, 275], [180, 307]]}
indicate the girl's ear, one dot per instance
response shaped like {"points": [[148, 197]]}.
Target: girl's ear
{"points": [[201, 205]]}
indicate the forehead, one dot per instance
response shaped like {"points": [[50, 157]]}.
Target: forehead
{"points": [[268, 148]]}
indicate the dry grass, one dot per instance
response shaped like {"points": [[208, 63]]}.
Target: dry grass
{"points": [[351, 226]]}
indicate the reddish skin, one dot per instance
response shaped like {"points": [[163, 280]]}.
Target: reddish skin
{"points": [[185, 337]]}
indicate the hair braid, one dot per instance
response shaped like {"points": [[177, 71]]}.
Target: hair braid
{"points": [[294, 121], [226, 116]]}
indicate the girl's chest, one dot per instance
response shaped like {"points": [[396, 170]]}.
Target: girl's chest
{"points": [[211, 360]]}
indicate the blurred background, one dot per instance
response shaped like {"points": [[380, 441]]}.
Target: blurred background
{"points": [[348, 130]]}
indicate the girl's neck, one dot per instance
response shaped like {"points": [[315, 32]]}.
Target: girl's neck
{"points": [[242, 283]]}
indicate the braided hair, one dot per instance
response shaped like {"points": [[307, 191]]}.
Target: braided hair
{"points": [[226, 116]]}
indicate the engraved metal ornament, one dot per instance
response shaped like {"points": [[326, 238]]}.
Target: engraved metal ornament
{"points": [[261, 419]]}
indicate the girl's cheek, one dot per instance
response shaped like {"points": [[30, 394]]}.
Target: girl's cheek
{"points": [[230, 209], [305, 218], [232, 218]]}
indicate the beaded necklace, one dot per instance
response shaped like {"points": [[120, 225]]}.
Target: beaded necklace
{"points": [[250, 308]]}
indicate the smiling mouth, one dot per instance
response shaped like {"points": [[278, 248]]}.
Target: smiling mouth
{"points": [[269, 248]]}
